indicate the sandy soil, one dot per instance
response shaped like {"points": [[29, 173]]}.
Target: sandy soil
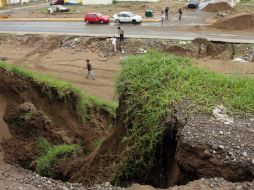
{"points": [[70, 65]]}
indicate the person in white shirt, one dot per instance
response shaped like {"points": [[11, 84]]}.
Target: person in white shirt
{"points": [[113, 40]]}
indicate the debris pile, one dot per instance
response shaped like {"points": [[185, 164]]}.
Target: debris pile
{"points": [[220, 114], [72, 43], [236, 22], [217, 7]]}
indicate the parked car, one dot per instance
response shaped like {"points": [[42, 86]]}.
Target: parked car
{"points": [[96, 18], [193, 4], [56, 2], [127, 17], [57, 8]]}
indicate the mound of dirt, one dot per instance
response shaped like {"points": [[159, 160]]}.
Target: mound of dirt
{"points": [[217, 7], [236, 22]]}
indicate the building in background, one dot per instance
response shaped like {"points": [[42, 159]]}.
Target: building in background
{"points": [[106, 2], [3, 3]]}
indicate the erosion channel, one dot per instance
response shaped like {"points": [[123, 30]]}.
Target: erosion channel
{"points": [[160, 134]]}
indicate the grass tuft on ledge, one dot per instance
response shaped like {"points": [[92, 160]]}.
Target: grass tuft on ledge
{"points": [[149, 84], [85, 101]]}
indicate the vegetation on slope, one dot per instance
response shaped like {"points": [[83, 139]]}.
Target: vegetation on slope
{"points": [[85, 101], [150, 83], [50, 155]]}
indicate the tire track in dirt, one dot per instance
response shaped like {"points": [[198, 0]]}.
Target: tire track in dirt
{"points": [[45, 69], [102, 69], [43, 50]]}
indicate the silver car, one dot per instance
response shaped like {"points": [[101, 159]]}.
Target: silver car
{"points": [[127, 17]]}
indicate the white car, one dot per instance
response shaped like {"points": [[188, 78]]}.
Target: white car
{"points": [[127, 17]]}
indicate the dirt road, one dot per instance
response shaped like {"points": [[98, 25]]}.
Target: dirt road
{"points": [[66, 62]]}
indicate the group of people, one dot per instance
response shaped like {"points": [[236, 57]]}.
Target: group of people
{"points": [[165, 14], [114, 39], [90, 73]]}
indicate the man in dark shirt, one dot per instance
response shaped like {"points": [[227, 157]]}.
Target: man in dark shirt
{"points": [[89, 69], [180, 13], [166, 13], [121, 34]]}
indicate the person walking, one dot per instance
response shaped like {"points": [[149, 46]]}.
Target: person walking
{"points": [[121, 34], [166, 13], [162, 18], [180, 13], [113, 41], [89, 69], [252, 55]]}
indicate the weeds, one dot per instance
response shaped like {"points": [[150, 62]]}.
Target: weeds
{"points": [[49, 155], [151, 83], [98, 142], [85, 101], [42, 146]]}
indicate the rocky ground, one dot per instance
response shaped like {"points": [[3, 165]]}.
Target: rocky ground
{"points": [[16, 178]]}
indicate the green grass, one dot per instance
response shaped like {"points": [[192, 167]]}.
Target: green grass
{"points": [[97, 142], [42, 146], [85, 101], [50, 155], [151, 83]]}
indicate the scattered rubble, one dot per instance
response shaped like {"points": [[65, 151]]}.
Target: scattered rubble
{"points": [[220, 114]]}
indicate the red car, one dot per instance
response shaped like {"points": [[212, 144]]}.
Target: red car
{"points": [[96, 18]]}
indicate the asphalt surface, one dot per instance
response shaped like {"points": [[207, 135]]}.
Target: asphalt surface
{"points": [[152, 30]]}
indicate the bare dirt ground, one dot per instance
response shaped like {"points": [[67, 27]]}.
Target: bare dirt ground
{"points": [[66, 62], [65, 58]]}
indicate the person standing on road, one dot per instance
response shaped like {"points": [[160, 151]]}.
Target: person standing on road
{"points": [[113, 40], [252, 55], [162, 17], [121, 34], [89, 69], [180, 13], [166, 13]]}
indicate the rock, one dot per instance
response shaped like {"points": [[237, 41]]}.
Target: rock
{"points": [[215, 146], [245, 154], [221, 132], [221, 147]]}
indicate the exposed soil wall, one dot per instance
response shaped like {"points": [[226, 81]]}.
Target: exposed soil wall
{"points": [[35, 110]]}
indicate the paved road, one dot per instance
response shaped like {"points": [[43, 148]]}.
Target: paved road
{"points": [[133, 31]]}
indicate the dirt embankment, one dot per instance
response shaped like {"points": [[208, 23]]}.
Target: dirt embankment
{"points": [[217, 7], [35, 110], [236, 22], [190, 148]]}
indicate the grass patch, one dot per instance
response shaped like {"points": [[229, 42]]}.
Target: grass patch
{"points": [[98, 142], [42, 146], [150, 83], [49, 155], [85, 101]]}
